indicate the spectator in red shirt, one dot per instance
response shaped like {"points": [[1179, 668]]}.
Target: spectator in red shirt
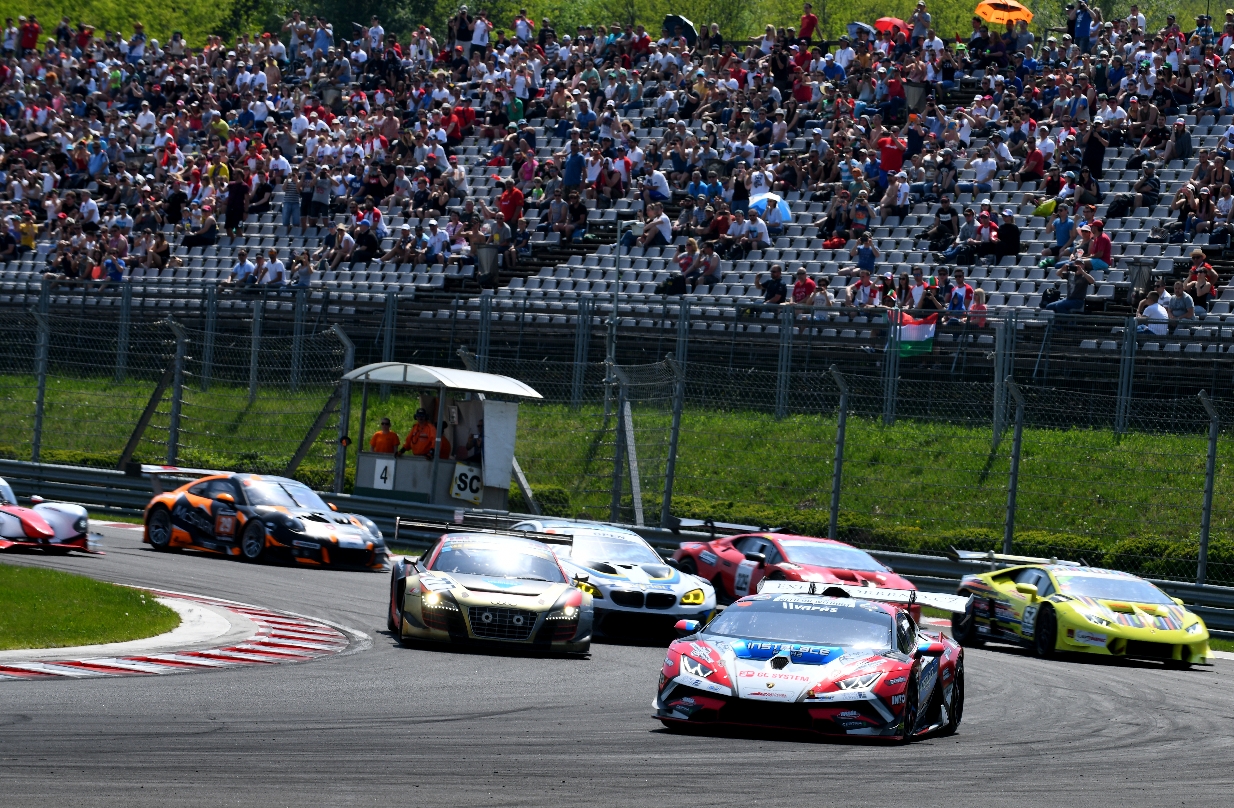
{"points": [[510, 203], [890, 155], [1033, 169], [804, 286], [809, 24], [895, 95], [1099, 248], [28, 32]]}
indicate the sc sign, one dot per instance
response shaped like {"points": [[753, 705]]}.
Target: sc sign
{"points": [[468, 484]]}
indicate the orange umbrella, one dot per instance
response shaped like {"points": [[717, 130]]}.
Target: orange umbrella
{"points": [[1001, 12]]}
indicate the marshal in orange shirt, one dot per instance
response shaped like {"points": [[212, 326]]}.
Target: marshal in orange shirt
{"points": [[384, 442]]}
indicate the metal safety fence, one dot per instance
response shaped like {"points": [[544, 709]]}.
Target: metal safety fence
{"points": [[1007, 430]]}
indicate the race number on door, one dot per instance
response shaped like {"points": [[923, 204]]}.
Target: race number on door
{"points": [[383, 474], [468, 484]]}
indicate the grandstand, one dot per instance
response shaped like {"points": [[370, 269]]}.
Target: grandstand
{"points": [[594, 274]]}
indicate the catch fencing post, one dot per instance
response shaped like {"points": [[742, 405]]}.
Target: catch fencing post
{"points": [[670, 465], [122, 332], [177, 393], [297, 335], [619, 445], [212, 325], [891, 372], [1210, 479], [484, 335], [344, 410], [582, 348], [388, 320], [683, 332], [785, 365], [42, 349], [1126, 371], [255, 348], [1013, 481], [44, 296], [837, 470]]}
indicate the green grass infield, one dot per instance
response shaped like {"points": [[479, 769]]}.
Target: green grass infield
{"points": [[42, 608]]}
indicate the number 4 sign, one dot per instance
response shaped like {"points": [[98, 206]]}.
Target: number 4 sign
{"points": [[468, 483], [383, 474]]}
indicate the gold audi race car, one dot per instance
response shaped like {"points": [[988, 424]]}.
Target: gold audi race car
{"points": [[1056, 606], [490, 587]]}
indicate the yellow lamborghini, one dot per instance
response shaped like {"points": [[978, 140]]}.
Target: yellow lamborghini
{"points": [[1056, 606]]}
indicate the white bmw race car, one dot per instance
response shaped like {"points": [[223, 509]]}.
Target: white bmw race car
{"points": [[633, 590], [54, 527]]}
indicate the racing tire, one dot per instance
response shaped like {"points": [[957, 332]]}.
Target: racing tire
{"points": [[1045, 633], [956, 714], [687, 566], [964, 627], [396, 597], [908, 720], [253, 542], [158, 529], [722, 596]]}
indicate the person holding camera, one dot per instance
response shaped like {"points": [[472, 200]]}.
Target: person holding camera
{"points": [[774, 290]]}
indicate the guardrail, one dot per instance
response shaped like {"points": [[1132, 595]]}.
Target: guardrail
{"points": [[115, 492]]}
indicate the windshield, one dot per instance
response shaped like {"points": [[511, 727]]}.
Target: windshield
{"points": [[6, 494], [617, 549], [511, 558], [838, 622], [836, 556], [285, 493], [1110, 587]]}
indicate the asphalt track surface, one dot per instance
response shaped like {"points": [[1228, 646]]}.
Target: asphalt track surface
{"points": [[399, 727]]}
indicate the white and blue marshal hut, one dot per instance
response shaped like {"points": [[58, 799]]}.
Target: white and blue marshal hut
{"points": [[471, 404]]}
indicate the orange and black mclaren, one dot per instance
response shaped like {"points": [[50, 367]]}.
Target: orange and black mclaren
{"points": [[255, 516]]}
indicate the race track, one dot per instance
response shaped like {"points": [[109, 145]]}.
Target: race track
{"points": [[396, 727]]}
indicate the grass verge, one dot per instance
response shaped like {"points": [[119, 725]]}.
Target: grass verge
{"points": [[42, 608], [1220, 645]]}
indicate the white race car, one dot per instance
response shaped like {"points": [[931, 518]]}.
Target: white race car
{"points": [[54, 527], [633, 590]]}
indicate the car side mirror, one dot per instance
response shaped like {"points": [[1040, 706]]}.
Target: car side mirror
{"points": [[686, 627], [333, 507], [37, 500], [1027, 589], [228, 498], [757, 558], [1179, 601], [931, 649], [674, 563]]}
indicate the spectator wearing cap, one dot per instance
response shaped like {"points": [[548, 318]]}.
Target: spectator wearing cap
{"points": [[436, 245], [1078, 281], [1178, 147], [422, 438]]}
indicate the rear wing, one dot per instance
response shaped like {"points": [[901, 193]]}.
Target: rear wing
{"points": [[906, 597], [438, 529], [992, 558], [156, 473]]}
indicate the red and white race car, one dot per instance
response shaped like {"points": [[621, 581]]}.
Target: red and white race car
{"points": [[736, 564], [54, 527], [824, 658]]}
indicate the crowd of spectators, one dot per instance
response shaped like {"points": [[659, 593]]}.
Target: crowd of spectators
{"points": [[335, 127]]}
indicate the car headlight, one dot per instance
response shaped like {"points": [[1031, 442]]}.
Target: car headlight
{"points": [[590, 589], [81, 525], [564, 613], [371, 527], [694, 597], [1195, 628], [863, 681], [432, 600], [692, 667], [1096, 620]]}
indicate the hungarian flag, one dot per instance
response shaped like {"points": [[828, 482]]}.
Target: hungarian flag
{"points": [[916, 335]]}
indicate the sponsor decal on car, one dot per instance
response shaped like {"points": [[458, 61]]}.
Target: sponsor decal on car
{"points": [[707, 557], [1088, 638], [899, 680], [790, 677], [701, 651], [895, 700], [1029, 620]]}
